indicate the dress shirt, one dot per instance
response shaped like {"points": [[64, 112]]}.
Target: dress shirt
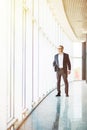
{"points": [[60, 59]]}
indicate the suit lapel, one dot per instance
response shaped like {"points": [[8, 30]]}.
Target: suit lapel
{"points": [[63, 59]]}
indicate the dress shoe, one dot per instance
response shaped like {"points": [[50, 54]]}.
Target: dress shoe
{"points": [[58, 95], [67, 95]]}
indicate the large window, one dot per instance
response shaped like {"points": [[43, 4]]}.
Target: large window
{"points": [[77, 61], [29, 54], [11, 60]]}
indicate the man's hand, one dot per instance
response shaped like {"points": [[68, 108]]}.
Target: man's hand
{"points": [[69, 71]]}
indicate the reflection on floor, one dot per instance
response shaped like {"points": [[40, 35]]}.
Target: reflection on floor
{"points": [[61, 113]]}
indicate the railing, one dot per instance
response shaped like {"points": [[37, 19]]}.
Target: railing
{"points": [[11, 124]]}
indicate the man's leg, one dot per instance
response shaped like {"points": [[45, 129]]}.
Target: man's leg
{"points": [[66, 83], [58, 82]]}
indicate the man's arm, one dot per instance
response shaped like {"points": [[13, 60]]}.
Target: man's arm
{"points": [[69, 64], [54, 62]]}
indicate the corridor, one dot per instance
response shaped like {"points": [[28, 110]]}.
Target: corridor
{"points": [[30, 34], [61, 113]]}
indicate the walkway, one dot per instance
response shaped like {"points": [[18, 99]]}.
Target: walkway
{"points": [[61, 113]]}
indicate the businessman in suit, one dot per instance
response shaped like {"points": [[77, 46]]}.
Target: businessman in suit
{"points": [[62, 66]]}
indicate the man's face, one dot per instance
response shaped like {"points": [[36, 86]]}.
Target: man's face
{"points": [[60, 50]]}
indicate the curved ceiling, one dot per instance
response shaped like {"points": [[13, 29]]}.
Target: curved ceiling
{"points": [[72, 16], [76, 13]]}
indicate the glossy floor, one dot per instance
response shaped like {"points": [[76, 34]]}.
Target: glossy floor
{"points": [[61, 113]]}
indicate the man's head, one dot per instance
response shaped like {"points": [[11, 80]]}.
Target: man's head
{"points": [[60, 49]]}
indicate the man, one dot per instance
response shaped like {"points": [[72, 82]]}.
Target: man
{"points": [[62, 66]]}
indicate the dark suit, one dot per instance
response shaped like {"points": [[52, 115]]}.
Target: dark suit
{"points": [[63, 71]]}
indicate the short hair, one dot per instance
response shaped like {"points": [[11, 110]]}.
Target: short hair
{"points": [[61, 46]]}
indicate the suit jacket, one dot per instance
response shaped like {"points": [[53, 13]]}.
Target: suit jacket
{"points": [[66, 62]]}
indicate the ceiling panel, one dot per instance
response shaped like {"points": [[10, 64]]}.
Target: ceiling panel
{"points": [[76, 13], [72, 16]]}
